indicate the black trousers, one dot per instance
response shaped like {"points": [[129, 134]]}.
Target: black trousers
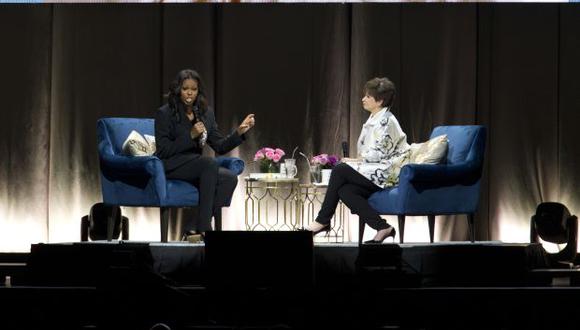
{"points": [[215, 184], [354, 190]]}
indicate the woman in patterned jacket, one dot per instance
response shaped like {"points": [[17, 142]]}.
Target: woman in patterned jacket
{"points": [[382, 151]]}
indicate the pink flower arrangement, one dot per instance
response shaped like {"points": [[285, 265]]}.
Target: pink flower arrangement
{"points": [[269, 158], [325, 161], [269, 154]]}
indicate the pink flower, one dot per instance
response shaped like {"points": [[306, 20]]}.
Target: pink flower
{"points": [[332, 160], [259, 155], [269, 155], [321, 159], [325, 160]]}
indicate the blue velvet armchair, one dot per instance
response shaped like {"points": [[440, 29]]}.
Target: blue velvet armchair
{"points": [[443, 189], [140, 181]]}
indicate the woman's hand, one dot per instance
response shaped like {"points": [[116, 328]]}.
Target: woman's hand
{"points": [[248, 123], [197, 129], [351, 160]]}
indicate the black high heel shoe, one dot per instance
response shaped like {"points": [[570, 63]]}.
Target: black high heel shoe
{"points": [[391, 234], [326, 228]]}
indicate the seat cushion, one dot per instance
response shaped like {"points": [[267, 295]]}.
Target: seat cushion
{"points": [[181, 193], [386, 201]]}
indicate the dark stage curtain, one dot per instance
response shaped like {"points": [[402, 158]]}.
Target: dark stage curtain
{"points": [[568, 152], [287, 64], [105, 63], [523, 119], [300, 68], [25, 86]]}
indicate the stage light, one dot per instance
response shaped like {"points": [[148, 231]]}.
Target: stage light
{"points": [[553, 223], [94, 225]]}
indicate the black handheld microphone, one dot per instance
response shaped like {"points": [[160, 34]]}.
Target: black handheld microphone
{"points": [[344, 149], [196, 116], [196, 119]]}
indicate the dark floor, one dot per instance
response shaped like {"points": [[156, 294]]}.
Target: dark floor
{"points": [[425, 286], [198, 308]]}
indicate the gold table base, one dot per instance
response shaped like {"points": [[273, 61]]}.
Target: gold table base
{"points": [[276, 204]]}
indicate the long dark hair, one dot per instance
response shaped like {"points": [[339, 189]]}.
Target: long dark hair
{"points": [[174, 95]]}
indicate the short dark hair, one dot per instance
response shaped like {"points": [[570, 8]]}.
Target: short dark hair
{"points": [[382, 89]]}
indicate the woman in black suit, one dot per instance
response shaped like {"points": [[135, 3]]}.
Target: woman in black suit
{"points": [[183, 127]]}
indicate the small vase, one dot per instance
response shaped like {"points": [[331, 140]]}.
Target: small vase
{"points": [[325, 176], [269, 167], [315, 174], [290, 169]]}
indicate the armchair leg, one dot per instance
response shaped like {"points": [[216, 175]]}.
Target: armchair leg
{"points": [[431, 219], [401, 219], [217, 217], [361, 230], [164, 219], [534, 238], [124, 228], [471, 227], [111, 223], [85, 228]]}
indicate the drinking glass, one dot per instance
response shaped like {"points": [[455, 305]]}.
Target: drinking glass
{"points": [[290, 165]]}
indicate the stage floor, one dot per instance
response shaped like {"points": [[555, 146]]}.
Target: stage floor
{"points": [[396, 283], [486, 263]]}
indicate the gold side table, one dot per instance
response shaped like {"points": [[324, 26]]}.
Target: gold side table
{"points": [[311, 197], [276, 203], [272, 203]]}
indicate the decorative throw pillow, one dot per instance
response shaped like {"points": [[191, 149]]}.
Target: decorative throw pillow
{"points": [[430, 152], [151, 141], [137, 145]]}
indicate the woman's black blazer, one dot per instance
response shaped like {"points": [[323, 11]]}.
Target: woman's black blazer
{"points": [[174, 144]]}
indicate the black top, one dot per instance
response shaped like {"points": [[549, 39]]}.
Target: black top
{"points": [[175, 146]]}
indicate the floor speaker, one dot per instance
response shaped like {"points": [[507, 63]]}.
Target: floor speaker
{"points": [[89, 264], [241, 259]]}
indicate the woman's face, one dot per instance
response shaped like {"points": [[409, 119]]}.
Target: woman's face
{"points": [[369, 103], [189, 91]]}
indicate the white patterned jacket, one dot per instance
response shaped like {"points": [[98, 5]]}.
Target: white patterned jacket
{"points": [[383, 148]]}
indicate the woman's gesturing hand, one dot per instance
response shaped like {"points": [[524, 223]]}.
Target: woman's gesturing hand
{"points": [[197, 129], [248, 123]]}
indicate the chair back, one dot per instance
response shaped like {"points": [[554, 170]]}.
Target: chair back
{"points": [[112, 132], [466, 143]]}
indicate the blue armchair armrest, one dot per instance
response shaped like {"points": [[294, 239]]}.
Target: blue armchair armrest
{"points": [[121, 167], [431, 173], [129, 165], [234, 164]]}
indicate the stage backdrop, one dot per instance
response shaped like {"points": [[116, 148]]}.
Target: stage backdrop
{"points": [[300, 69]]}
